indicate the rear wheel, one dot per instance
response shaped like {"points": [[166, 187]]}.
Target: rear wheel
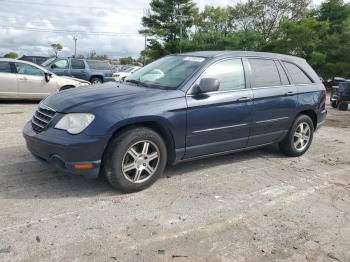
{"points": [[135, 159], [96, 81], [343, 106], [299, 137]]}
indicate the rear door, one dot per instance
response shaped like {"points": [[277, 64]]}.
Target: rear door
{"points": [[220, 121], [8, 81], [78, 68], [275, 101]]}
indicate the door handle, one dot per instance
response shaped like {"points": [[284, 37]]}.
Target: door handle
{"points": [[23, 79], [289, 93], [244, 99]]}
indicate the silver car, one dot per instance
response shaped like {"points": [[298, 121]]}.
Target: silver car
{"points": [[25, 80]]}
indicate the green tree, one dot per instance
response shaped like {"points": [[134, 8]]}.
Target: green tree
{"points": [[56, 48], [265, 16], [126, 60], [12, 55], [167, 24]]}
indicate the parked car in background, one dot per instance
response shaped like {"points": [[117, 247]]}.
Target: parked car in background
{"points": [[125, 72], [25, 80], [94, 71], [205, 104], [34, 59]]}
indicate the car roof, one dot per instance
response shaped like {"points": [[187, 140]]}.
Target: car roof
{"points": [[213, 54], [21, 61]]}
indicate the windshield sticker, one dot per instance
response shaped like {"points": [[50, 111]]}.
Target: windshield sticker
{"points": [[194, 59]]}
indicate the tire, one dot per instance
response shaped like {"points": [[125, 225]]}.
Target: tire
{"points": [[125, 153], [96, 81], [334, 104], [343, 106], [290, 145]]}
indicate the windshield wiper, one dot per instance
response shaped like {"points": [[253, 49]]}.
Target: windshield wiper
{"points": [[136, 82]]}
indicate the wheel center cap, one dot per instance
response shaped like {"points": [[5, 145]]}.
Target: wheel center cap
{"points": [[141, 162]]}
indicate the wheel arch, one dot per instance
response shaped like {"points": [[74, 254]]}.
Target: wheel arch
{"points": [[156, 124], [65, 87], [312, 114]]}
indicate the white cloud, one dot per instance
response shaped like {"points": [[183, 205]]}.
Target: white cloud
{"points": [[71, 15]]}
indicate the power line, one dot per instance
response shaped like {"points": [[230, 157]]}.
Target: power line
{"points": [[42, 4], [43, 30]]}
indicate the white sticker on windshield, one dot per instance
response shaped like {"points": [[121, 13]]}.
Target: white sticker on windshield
{"points": [[194, 59]]}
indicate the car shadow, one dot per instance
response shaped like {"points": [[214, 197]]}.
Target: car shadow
{"points": [[34, 180]]}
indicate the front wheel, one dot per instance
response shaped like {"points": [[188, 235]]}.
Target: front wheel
{"points": [[135, 159], [299, 137], [334, 104]]}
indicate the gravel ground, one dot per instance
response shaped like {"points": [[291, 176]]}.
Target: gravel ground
{"points": [[251, 206]]}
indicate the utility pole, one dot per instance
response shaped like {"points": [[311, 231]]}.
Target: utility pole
{"points": [[75, 46]]}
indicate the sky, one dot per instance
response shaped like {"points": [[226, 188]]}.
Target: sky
{"points": [[112, 25]]}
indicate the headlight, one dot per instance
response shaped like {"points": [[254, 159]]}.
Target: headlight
{"points": [[75, 123], [84, 84]]}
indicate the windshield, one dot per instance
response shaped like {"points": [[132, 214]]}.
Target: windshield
{"points": [[48, 61], [167, 73]]}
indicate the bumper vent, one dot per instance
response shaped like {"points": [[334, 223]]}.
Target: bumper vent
{"points": [[42, 118]]}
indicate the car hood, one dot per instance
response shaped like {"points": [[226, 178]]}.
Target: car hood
{"points": [[86, 99]]}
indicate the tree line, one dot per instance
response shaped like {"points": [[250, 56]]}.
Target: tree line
{"points": [[321, 34]]}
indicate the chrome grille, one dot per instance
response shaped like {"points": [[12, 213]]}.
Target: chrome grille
{"points": [[42, 118]]}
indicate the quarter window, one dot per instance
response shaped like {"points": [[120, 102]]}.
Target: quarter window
{"points": [[26, 69], [60, 64], [283, 75], [265, 73], [298, 76], [230, 74], [5, 67], [77, 64]]}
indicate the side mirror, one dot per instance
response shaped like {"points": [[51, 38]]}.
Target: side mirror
{"points": [[207, 85], [48, 77]]}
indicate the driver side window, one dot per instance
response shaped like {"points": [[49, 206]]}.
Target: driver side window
{"points": [[230, 74], [60, 64], [26, 69]]}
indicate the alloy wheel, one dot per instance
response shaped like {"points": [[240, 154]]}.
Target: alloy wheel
{"points": [[141, 161], [302, 136]]}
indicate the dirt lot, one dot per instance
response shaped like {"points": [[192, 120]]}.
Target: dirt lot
{"points": [[252, 206]]}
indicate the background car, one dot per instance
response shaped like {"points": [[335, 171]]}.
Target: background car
{"points": [[94, 71], [25, 80], [125, 72], [34, 59]]}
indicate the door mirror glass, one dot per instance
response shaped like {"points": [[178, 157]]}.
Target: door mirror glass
{"points": [[207, 85]]}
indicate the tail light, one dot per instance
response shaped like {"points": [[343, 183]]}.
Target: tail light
{"points": [[324, 96]]}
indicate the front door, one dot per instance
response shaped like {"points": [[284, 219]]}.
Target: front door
{"points": [[32, 83], [9, 85], [220, 121], [60, 67], [275, 102]]}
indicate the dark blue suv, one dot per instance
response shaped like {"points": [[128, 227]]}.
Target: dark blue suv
{"points": [[179, 108]]}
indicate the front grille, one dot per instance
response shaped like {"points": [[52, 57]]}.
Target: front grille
{"points": [[42, 118]]}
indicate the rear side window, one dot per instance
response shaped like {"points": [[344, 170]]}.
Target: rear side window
{"points": [[99, 65], [77, 64], [298, 76], [264, 73], [283, 75], [5, 67]]}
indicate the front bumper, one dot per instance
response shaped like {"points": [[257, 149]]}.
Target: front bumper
{"points": [[74, 154]]}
